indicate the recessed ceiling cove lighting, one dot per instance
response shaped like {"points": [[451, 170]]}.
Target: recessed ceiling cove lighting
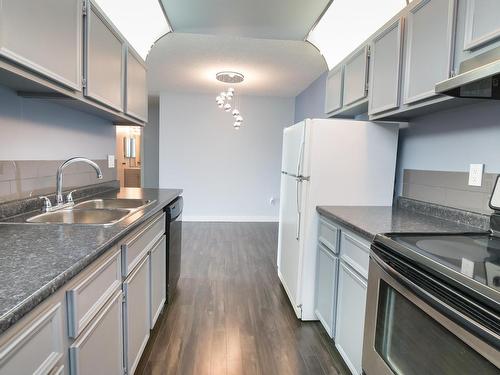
{"points": [[230, 77]]}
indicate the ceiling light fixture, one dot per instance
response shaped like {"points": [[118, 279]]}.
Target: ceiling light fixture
{"points": [[225, 98], [230, 77]]}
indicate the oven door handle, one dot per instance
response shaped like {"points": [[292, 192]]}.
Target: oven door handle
{"points": [[438, 305]]}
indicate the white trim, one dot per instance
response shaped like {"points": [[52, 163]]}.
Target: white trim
{"points": [[236, 219]]}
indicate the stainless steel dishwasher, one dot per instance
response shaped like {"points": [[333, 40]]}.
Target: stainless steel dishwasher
{"points": [[174, 245]]}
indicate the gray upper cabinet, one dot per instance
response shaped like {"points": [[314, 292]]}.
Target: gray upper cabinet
{"points": [[137, 93], [482, 23], [355, 77], [333, 94], [45, 37], [429, 46], [385, 69], [104, 60]]}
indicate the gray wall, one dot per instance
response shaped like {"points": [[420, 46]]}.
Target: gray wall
{"points": [[310, 103], [226, 174], [34, 129], [451, 140], [37, 135], [150, 139]]}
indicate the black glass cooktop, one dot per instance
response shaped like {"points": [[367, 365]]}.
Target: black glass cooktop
{"points": [[470, 257], [474, 255]]}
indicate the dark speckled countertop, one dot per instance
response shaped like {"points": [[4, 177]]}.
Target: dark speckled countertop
{"points": [[369, 221], [38, 259]]}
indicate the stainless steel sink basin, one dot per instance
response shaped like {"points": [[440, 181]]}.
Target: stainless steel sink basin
{"points": [[81, 216], [114, 203]]}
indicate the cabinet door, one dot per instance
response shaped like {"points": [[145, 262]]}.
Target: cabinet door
{"points": [[429, 34], [385, 69], [37, 348], [44, 36], [333, 94], [137, 92], [326, 285], [158, 266], [482, 23], [355, 77], [103, 335], [136, 314], [350, 322], [104, 60]]}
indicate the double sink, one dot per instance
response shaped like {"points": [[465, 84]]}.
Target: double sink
{"points": [[104, 212]]}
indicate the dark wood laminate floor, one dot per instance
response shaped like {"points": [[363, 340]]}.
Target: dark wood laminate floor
{"points": [[231, 315]]}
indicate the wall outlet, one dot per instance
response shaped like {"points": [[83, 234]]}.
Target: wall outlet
{"points": [[111, 161], [476, 174], [273, 201]]}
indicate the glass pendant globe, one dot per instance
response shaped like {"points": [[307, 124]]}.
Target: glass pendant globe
{"points": [[227, 107], [239, 118], [236, 112]]}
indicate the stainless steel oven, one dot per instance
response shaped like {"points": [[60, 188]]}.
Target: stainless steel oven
{"points": [[418, 324]]}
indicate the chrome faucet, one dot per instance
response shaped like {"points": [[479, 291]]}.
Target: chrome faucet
{"points": [[59, 196]]}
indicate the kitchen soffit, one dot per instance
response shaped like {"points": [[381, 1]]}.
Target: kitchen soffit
{"points": [[264, 19]]}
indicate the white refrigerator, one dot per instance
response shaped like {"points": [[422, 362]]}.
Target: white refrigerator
{"points": [[327, 162]]}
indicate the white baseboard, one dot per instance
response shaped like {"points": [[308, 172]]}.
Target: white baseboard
{"points": [[232, 219]]}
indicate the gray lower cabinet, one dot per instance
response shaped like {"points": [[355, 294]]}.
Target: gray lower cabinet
{"points": [[45, 37], [136, 319], [37, 347], [385, 69], [482, 23], [333, 93], [350, 316], [104, 60], [429, 47], [355, 86], [158, 282], [136, 83], [99, 349], [326, 287]]}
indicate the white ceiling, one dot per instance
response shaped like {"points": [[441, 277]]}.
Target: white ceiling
{"points": [[268, 19], [189, 62]]}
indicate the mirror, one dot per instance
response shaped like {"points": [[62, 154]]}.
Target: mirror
{"points": [[495, 196]]}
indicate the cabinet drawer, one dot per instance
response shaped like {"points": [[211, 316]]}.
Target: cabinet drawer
{"points": [[90, 295], [136, 246], [328, 235], [355, 253], [104, 335], [37, 348]]}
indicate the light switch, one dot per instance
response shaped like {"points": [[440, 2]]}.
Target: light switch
{"points": [[111, 161], [476, 174]]}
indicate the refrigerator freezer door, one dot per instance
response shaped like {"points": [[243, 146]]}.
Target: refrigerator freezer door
{"points": [[293, 148]]}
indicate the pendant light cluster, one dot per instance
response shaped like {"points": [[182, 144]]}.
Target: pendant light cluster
{"points": [[227, 100]]}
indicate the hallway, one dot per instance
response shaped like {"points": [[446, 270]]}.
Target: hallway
{"points": [[231, 315]]}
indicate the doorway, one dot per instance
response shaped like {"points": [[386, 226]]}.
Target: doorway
{"points": [[128, 155]]}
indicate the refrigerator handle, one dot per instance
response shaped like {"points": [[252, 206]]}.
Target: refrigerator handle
{"points": [[298, 181], [301, 157]]}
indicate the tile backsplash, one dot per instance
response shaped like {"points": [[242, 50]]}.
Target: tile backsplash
{"points": [[449, 189], [26, 178]]}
